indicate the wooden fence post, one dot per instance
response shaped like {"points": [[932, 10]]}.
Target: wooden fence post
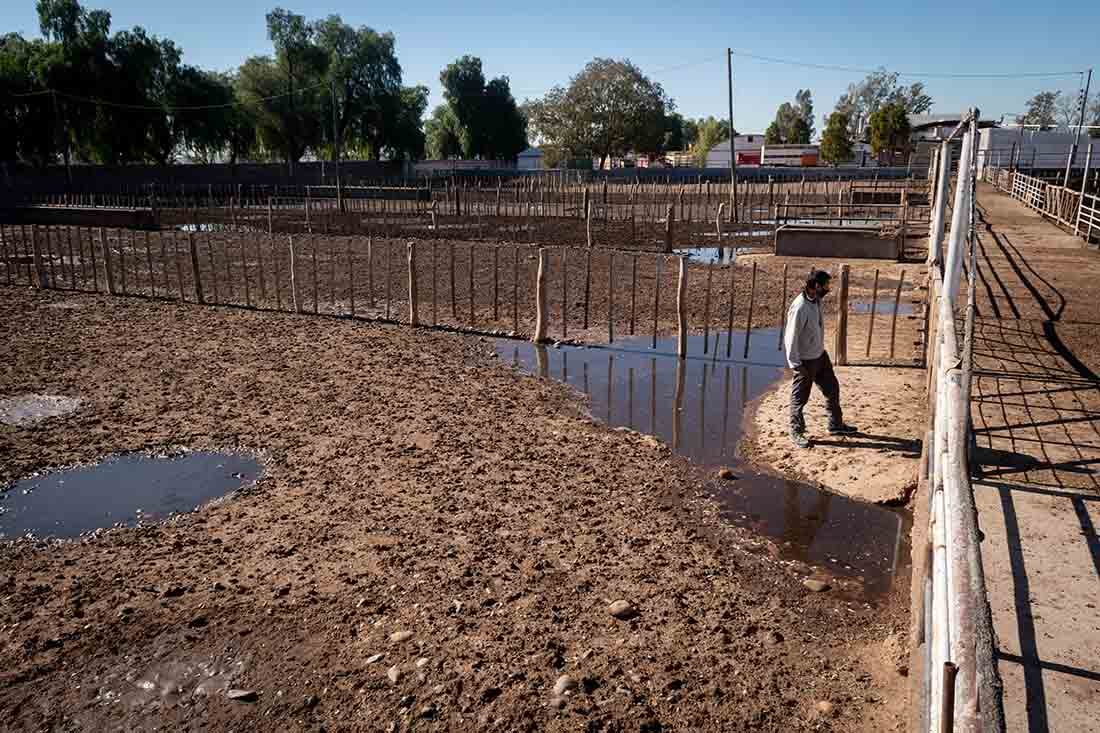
{"points": [[293, 274], [874, 307], [413, 299], [894, 320], [192, 250], [681, 308], [840, 337], [748, 317], [540, 299], [108, 266], [587, 219], [41, 280], [718, 220], [670, 213]]}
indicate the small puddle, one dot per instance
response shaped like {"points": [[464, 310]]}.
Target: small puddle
{"points": [[696, 406], [124, 489], [713, 255], [881, 306], [216, 226], [28, 409]]}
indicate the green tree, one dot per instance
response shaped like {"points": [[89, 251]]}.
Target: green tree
{"points": [[1041, 111], [790, 126], [889, 129], [293, 120], [608, 109], [211, 123], [836, 141], [711, 132], [443, 134], [877, 89], [492, 125]]}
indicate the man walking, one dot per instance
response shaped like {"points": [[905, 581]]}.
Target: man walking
{"points": [[804, 341]]}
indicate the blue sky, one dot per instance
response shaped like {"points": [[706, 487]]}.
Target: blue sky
{"points": [[681, 46]]}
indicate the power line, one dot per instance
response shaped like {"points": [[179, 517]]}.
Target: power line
{"points": [[931, 74]]}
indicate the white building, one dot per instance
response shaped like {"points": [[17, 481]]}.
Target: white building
{"points": [[748, 151], [1034, 149], [529, 160]]}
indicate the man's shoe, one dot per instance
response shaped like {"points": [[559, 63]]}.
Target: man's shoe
{"points": [[842, 429], [800, 440]]}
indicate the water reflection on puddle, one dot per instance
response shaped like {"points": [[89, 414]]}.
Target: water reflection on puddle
{"points": [[695, 406], [120, 489]]}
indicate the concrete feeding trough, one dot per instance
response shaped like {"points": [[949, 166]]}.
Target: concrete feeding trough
{"points": [[849, 240], [27, 409]]}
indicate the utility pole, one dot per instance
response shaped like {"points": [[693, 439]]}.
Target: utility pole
{"points": [[336, 151], [733, 151], [1077, 137]]}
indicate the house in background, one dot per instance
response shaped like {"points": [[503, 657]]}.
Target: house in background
{"points": [[529, 160], [748, 151]]}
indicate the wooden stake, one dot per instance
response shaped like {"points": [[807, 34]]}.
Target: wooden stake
{"points": [[313, 258], [107, 266], [871, 323], [496, 268], [706, 310], [515, 290], [194, 252], [783, 309], [278, 276], [681, 309], [564, 292], [370, 271], [414, 302], [670, 212], [633, 289], [587, 284], [748, 319], [351, 276], [656, 296], [610, 296], [294, 275], [260, 268], [387, 255], [840, 341], [454, 298], [435, 285], [894, 320], [541, 316], [148, 259], [718, 221], [470, 257]]}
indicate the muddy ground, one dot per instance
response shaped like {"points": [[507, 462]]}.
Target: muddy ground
{"points": [[414, 486]]}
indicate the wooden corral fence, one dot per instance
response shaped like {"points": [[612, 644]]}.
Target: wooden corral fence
{"points": [[640, 215], [579, 294]]}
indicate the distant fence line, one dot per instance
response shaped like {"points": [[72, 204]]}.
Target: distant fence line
{"points": [[638, 215]]}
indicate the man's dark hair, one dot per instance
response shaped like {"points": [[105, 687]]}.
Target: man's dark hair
{"points": [[818, 277]]}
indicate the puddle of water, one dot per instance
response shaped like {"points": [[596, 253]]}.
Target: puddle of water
{"points": [[696, 406], [713, 255], [121, 489], [28, 409], [882, 307]]}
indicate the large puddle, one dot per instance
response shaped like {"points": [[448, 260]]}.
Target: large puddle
{"points": [[695, 406], [122, 489]]}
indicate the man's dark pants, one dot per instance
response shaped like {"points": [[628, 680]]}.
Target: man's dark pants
{"points": [[817, 371]]}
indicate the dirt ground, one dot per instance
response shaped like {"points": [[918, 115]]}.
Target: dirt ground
{"points": [[434, 543], [879, 464]]}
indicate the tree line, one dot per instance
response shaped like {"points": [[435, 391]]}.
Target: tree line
{"points": [[85, 93]]}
